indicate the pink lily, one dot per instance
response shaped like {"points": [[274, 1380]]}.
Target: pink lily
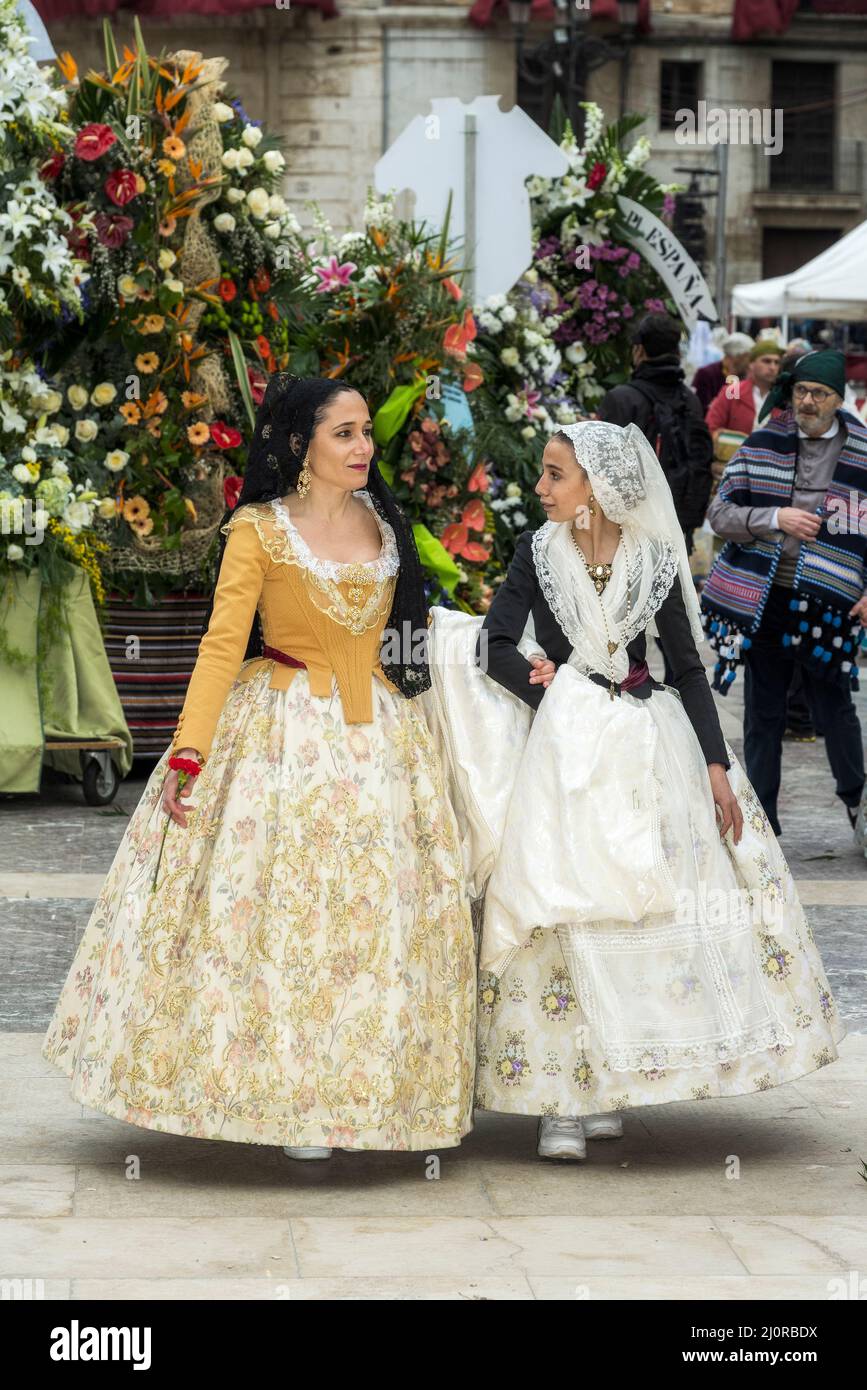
{"points": [[334, 276]]}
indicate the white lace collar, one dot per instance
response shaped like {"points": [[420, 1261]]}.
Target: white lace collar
{"points": [[386, 564]]}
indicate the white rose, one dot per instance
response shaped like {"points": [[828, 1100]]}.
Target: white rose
{"points": [[531, 276], [251, 135], [529, 432], [273, 161], [166, 259], [127, 286], [61, 434], [78, 515], [222, 112], [60, 470], [509, 357], [14, 552], [272, 230], [21, 473], [116, 460], [176, 286], [257, 202], [230, 159], [224, 222], [28, 454], [86, 430], [77, 397], [245, 158], [513, 490], [103, 393], [575, 353], [276, 205], [235, 195], [49, 401], [106, 508]]}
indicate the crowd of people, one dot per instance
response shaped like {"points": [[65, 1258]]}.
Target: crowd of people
{"points": [[758, 445]]}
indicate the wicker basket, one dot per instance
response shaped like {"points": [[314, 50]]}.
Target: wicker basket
{"points": [[150, 554]]}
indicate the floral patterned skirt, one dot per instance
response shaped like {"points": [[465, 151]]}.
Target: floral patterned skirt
{"points": [[538, 1054], [304, 971]]}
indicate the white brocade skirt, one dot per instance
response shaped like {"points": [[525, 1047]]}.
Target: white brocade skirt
{"points": [[304, 972], [629, 956]]}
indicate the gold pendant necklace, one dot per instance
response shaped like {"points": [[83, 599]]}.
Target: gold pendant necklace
{"points": [[600, 574]]}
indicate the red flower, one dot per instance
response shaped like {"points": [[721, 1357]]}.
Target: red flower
{"points": [[596, 176], [121, 187], [257, 384], [478, 480], [455, 537], [93, 140], [473, 551], [452, 288], [52, 167], [473, 376], [263, 280], [458, 336], [224, 436], [112, 228], [263, 345], [473, 515], [232, 490], [227, 290]]}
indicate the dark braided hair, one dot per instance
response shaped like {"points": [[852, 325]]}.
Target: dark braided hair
{"points": [[291, 409]]}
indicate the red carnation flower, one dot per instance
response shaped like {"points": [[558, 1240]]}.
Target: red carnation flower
{"points": [[227, 290], [52, 167], [93, 140], [596, 176], [121, 187], [112, 228], [224, 436]]}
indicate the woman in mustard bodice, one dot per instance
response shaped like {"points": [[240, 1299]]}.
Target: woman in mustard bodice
{"points": [[295, 964]]}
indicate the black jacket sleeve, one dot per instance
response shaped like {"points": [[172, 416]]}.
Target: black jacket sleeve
{"points": [[504, 626], [689, 675]]}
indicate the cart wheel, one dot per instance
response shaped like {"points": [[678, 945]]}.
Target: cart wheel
{"points": [[99, 781]]}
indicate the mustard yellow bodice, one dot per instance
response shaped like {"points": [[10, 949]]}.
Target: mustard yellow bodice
{"points": [[328, 614]]}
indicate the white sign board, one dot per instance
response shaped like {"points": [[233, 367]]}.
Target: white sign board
{"points": [[658, 245], [482, 155]]}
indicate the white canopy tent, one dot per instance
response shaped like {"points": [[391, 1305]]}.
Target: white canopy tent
{"points": [[833, 285]]}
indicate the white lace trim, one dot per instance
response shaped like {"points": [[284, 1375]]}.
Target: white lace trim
{"points": [[383, 567], [663, 578]]}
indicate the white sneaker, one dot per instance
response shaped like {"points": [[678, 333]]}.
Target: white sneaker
{"points": [[291, 1151], [602, 1126], [561, 1136]]}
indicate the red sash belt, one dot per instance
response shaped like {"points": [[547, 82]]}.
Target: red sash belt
{"points": [[275, 655], [637, 676]]}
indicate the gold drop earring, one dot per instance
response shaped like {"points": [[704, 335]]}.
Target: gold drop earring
{"points": [[591, 505], [302, 487]]}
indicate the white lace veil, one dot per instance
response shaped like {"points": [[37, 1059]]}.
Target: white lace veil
{"points": [[630, 486]]}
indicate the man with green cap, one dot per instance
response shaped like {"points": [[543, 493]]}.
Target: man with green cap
{"points": [[791, 582], [737, 405]]}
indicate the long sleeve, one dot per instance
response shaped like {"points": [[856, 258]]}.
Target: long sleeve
{"points": [[221, 650], [689, 675], [504, 627], [620, 406], [742, 524], [717, 417]]}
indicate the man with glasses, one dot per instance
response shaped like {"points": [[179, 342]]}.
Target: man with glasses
{"points": [[791, 583]]}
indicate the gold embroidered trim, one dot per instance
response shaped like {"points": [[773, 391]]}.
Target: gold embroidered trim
{"points": [[365, 603]]}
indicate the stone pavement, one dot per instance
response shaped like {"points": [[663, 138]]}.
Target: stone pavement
{"points": [[758, 1196]]}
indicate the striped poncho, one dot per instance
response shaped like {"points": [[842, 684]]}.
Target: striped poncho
{"points": [[831, 574]]}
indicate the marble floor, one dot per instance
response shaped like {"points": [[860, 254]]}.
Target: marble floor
{"points": [[749, 1197]]}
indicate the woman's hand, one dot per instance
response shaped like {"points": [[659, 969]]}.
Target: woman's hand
{"points": [[172, 802], [726, 802], [543, 671]]}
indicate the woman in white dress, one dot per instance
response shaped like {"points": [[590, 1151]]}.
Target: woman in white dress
{"points": [[643, 940]]}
